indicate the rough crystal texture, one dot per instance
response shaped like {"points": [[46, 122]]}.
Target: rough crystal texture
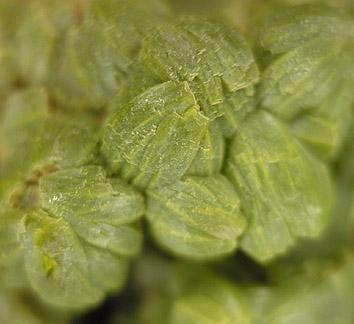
{"points": [[295, 26], [311, 74], [78, 244], [56, 263], [285, 192], [154, 139], [304, 77], [197, 217], [33, 141], [97, 54], [210, 56], [99, 210]]}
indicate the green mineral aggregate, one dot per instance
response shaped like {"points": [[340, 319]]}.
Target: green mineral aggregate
{"points": [[56, 263], [86, 192], [97, 53], [285, 192], [210, 56], [101, 212], [192, 159], [310, 76], [154, 138], [198, 217]]}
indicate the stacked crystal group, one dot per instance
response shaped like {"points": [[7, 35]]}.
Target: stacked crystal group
{"points": [[180, 148]]}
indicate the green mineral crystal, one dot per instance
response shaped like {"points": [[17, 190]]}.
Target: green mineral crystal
{"points": [[199, 217], [56, 263], [94, 215], [212, 57], [311, 76], [155, 137], [285, 192], [190, 161], [98, 53]]}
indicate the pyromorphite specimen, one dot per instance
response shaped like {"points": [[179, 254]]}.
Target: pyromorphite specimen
{"points": [[33, 140], [311, 75], [210, 56], [155, 137], [86, 231], [123, 24], [285, 192], [56, 263], [220, 140], [98, 53], [99, 209], [197, 217]]}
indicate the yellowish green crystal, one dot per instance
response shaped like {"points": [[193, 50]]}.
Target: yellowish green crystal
{"points": [[285, 192]]}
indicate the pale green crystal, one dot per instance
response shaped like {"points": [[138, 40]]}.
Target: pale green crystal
{"points": [[198, 217], [210, 56], [310, 75], [56, 263], [107, 271], [304, 77], [285, 192], [154, 139], [295, 26], [98, 209], [98, 53], [81, 236], [34, 141], [324, 129]]}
